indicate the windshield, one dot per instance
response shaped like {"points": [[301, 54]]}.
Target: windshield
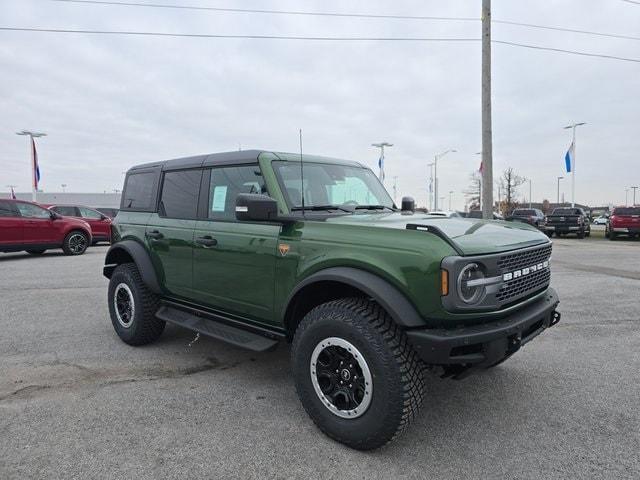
{"points": [[627, 211], [331, 185], [566, 211]]}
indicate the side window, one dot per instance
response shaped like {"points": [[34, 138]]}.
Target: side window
{"points": [[88, 213], [66, 211], [138, 191], [6, 210], [179, 197], [227, 183], [32, 211]]}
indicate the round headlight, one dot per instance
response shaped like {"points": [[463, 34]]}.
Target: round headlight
{"points": [[468, 291]]}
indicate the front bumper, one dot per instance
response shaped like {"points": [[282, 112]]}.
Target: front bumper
{"points": [[486, 344]]}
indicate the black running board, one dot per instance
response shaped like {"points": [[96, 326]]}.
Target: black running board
{"points": [[216, 329]]}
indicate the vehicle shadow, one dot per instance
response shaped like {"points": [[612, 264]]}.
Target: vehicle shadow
{"points": [[8, 257]]}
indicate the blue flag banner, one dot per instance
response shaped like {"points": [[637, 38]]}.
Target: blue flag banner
{"points": [[568, 158]]}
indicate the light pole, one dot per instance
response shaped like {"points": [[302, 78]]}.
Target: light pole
{"points": [[634, 195], [381, 146], [529, 194], [34, 179], [395, 188], [430, 189], [487, 135], [435, 174], [559, 178], [450, 193], [573, 160]]}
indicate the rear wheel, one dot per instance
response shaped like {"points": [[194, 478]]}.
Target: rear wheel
{"points": [[35, 252], [75, 243], [132, 307], [355, 373]]}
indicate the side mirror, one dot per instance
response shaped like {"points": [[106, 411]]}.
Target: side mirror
{"points": [[103, 217], [251, 206], [408, 205], [54, 215]]}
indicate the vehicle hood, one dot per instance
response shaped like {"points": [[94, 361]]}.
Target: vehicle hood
{"points": [[469, 235]]}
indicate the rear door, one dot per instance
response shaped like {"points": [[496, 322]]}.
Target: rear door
{"points": [[38, 225], [11, 224], [169, 232], [234, 262]]}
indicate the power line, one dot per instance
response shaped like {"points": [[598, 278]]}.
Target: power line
{"points": [[300, 38], [348, 15], [273, 12]]}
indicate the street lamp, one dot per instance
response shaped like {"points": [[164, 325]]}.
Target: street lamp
{"points": [[34, 180], [559, 178], [435, 174], [573, 161], [430, 188], [381, 146]]}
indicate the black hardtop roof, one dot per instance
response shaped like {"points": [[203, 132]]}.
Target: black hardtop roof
{"points": [[233, 158]]}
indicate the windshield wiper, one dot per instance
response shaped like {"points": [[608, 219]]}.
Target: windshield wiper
{"points": [[373, 207], [322, 207]]}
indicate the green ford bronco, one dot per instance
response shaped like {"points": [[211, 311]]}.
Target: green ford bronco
{"points": [[256, 248]]}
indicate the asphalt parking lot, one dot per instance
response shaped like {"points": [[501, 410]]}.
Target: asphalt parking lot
{"points": [[76, 402]]}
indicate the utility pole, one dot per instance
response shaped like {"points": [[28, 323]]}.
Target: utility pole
{"points": [[435, 174], [430, 189], [34, 178], [450, 193], [634, 195], [395, 188], [381, 146], [487, 146], [559, 178], [573, 161]]}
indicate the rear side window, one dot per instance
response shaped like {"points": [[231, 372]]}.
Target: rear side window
{"points": [[179, 197], [66, 211], [32, 211], [627, 211], [6, 210], [139, 191], [88, 213], [226, 184]]}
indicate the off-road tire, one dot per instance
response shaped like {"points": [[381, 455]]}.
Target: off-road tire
{"points": [[580, 234], [35, 252], [144, 327], [67, 246], [396, 370]]}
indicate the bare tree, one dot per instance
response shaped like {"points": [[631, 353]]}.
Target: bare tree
{"points": [[546, 206], [509, 182], [472, 193]]}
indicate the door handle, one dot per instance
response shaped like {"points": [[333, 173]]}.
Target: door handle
{"points": [[154, 234], [207, 241]]}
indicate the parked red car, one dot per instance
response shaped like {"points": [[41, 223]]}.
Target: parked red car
{"points": [[100, 223], [34, 229], [623, 221]]}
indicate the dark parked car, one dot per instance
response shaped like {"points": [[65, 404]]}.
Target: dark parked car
{"points": [[26, 226], [236, 246], [623, 221], [100, 223], [532, 216], [563, 221]]}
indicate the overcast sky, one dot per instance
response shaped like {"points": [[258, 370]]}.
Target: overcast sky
{"points": [[108, 103]]}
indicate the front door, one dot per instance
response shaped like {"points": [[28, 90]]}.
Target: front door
{"points": [[169, 233], [234, 262], [38, 224]]}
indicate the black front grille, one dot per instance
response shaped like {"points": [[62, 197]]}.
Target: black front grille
{"points": [[527, 258], [525, 285]]}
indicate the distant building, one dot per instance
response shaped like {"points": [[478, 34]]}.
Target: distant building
{"points": [[94, 200]]}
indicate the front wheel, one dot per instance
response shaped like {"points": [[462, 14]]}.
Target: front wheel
{"points": [[355, 373], [133, 307], [75, 243]]}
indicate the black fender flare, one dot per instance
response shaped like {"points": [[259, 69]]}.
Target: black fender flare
{"points": [[140, 257], [388, 296]]}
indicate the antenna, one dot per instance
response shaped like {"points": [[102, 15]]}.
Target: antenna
{"points": [[301, 174]]}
